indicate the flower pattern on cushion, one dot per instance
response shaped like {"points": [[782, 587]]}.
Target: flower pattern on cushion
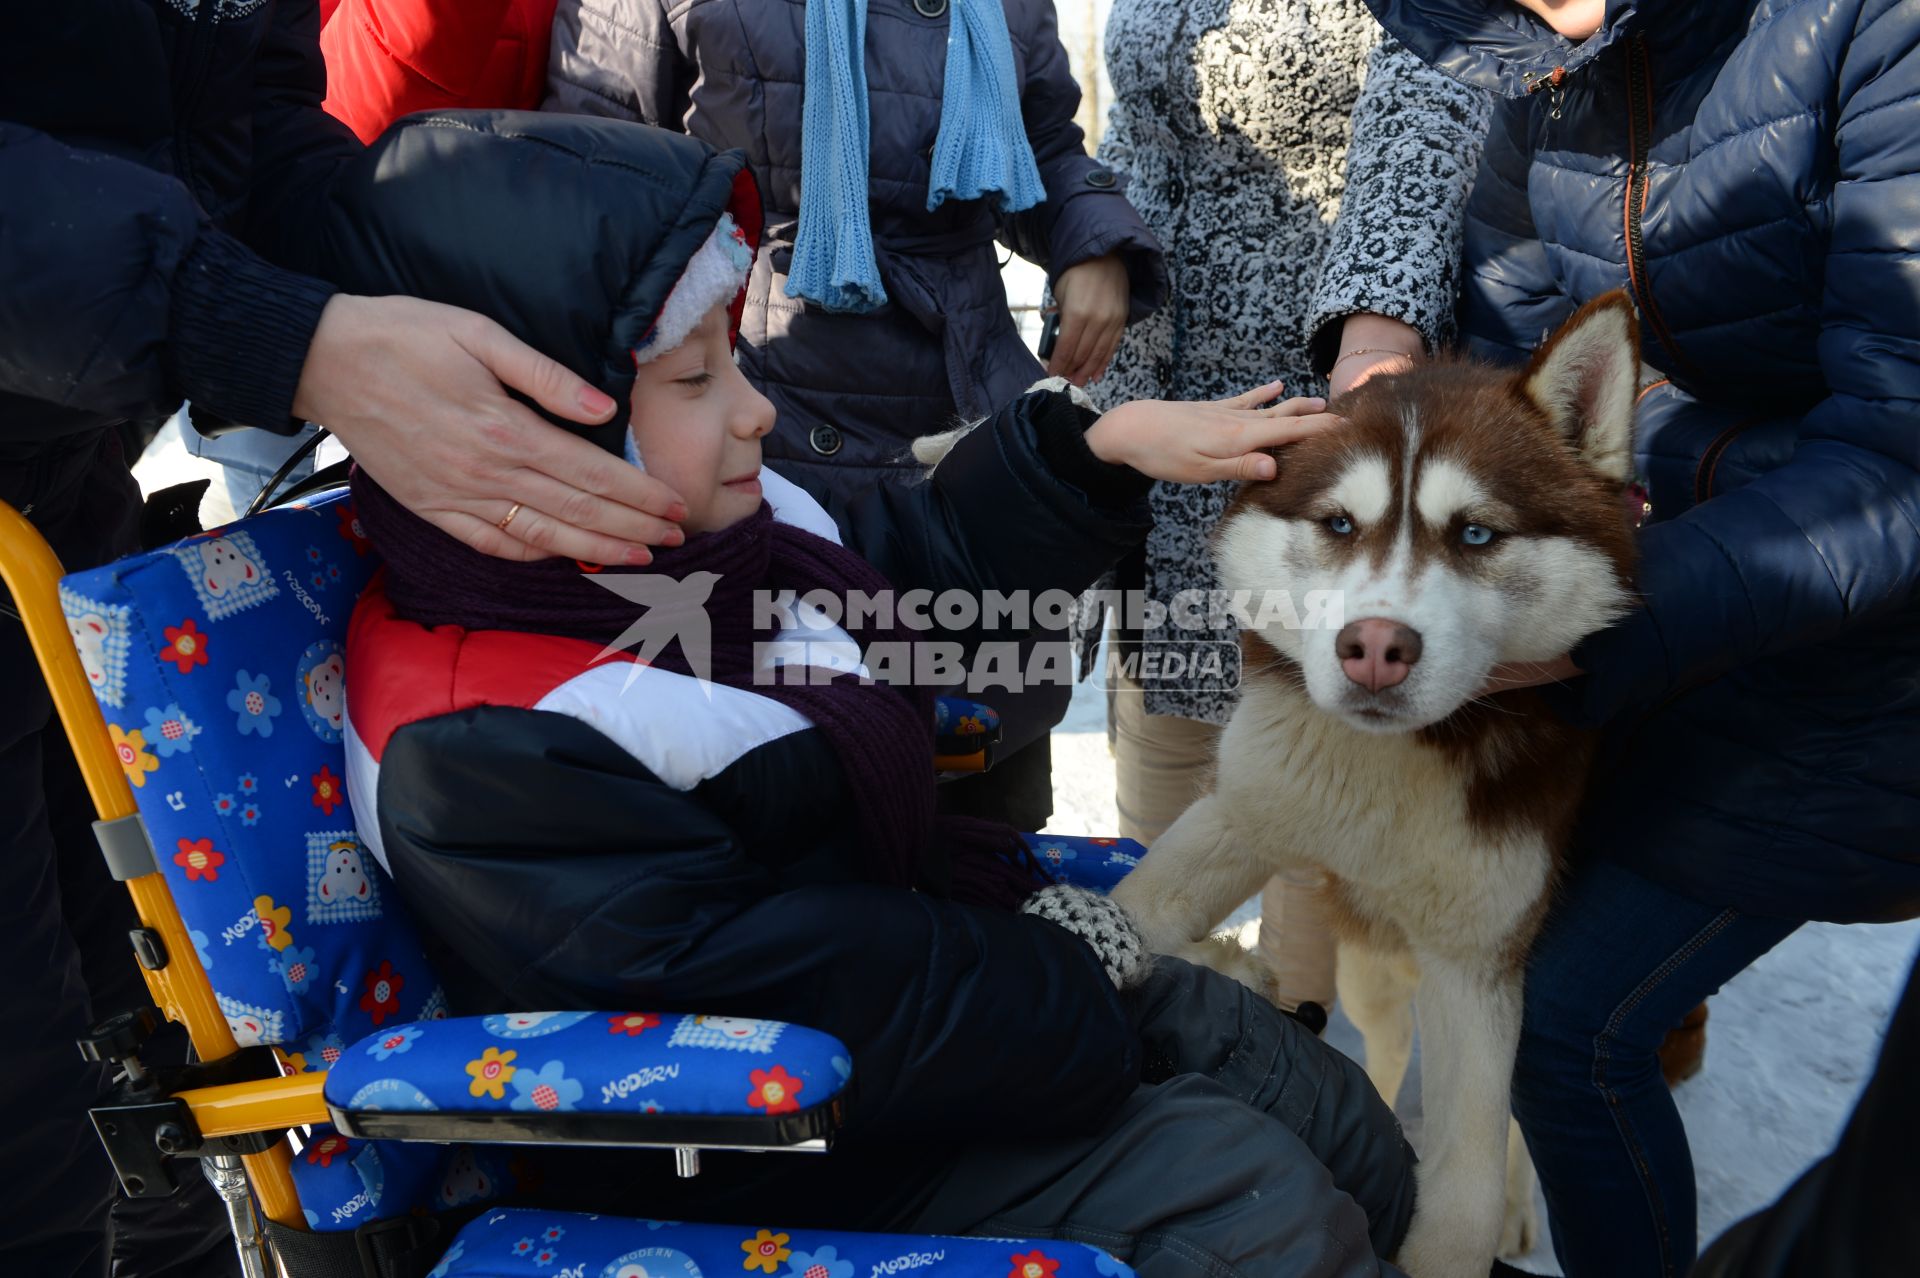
{"points": [[199, 860], [390, 1045], [131, 747], [1054, 853], [249, 814], [491, 1073], [253, 704], [274, 922], [382, 996], [350, 529], [248, 783], [821, 1262], [765, 1251], [327, 791], [296, 967], [186, 646], [774, 1090], [326, 1149], [509, 1240], [632, 1023], [170, 731], [322, 1051], [546, 1089], [1033, 1264]]}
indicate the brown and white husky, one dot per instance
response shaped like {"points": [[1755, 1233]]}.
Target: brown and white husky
{"points": [[1466, 518]]}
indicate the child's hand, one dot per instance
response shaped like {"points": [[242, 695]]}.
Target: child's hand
{"points": [[1189, 443]]}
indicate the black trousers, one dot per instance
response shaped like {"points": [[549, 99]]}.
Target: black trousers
{"points": [[63, 942], [1251, 1149]]}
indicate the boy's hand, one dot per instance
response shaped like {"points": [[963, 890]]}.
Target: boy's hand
{"points": [[1188, 443], [415, 390]]}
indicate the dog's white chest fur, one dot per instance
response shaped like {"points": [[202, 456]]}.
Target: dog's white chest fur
{"points": [[1385, 813]]}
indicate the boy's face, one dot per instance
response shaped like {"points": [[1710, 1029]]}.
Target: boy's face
{"points": [[698, 422]]}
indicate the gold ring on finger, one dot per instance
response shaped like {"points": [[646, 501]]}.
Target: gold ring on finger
{"points": [[508, 517]]}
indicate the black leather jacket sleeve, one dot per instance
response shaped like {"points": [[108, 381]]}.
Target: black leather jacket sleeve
{"points": [[564, 873]]}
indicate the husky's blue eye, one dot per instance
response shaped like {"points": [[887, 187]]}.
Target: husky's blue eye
{"points": [[1340, 525], [1476, 534]]}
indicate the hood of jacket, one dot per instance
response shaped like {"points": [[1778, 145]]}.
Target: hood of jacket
{"points": [[569, 232]]}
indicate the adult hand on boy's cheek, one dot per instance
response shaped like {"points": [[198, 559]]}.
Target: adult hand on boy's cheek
{"points": [[414, 389], [1188, 443], [1093, 301]]}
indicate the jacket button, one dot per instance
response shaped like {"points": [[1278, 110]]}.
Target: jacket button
{"points": [[930, 8], [824, 439], [1102, 178]]}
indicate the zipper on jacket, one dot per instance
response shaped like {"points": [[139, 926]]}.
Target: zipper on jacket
{"points": [[1550, 81], [200, 56], [1639, 144]]}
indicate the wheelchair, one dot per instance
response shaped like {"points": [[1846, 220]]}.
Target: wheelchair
{"points": [[350, 1123]]}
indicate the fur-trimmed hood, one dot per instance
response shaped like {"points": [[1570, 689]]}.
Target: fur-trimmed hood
{"points": [[570, 232]]}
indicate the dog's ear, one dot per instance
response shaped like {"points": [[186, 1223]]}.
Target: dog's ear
{"points": [[1585, 378]]}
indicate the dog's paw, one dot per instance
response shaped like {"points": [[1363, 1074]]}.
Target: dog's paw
{"points": [[1225, 955]]}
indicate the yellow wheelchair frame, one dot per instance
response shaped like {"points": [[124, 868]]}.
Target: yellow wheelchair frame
{"points": [[179, 986]]}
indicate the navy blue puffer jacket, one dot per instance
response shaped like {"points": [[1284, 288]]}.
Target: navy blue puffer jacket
{"points": [[1751, 171]]}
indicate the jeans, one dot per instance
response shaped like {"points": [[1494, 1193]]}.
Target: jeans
{"points": [[1620, 961]]}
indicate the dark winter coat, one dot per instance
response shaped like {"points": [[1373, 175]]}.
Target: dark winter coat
{"points": [[157, 157], [853, 390], [1751, 171]]}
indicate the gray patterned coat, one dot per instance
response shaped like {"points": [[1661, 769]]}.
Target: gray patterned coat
{"points": [[1297, 168]]}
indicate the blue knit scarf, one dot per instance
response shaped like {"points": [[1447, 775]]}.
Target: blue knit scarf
{"points": [[981, 148]]}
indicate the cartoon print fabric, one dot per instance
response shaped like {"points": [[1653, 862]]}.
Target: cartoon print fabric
{"points": [[511, 1241], [219, 663]]}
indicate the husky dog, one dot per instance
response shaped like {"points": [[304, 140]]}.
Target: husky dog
{"points": [[1466, 517]]}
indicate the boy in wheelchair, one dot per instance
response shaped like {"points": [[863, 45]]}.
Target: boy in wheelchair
{"points": [[578, 828]]}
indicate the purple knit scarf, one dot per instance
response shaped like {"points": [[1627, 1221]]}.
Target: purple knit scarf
{"points": [[882, 735]]}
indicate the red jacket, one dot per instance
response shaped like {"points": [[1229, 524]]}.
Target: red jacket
{"points": [[386, 58]]}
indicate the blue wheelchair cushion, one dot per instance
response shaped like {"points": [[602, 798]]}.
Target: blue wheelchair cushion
{"points": [[219, 665], [625, 1063], [516, 1242], [1085, 862]]}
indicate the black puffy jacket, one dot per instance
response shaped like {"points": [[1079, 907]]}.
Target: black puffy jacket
{"points": [[159, 163], [1750, 169]]}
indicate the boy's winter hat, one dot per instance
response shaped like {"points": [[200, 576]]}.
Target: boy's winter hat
{"points": [[716, 274], [573, 233]]}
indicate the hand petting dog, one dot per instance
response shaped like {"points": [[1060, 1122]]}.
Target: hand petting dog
{"points": [[1203, 443]]}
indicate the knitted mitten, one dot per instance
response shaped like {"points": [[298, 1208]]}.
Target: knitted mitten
{"points": [[1103, 925]]}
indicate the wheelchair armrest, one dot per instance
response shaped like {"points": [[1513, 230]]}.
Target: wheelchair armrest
{"points": [[601, 1078], [965, 735]]}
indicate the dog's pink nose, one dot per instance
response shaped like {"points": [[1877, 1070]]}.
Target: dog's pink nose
{"points": [[1377, 653]]}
